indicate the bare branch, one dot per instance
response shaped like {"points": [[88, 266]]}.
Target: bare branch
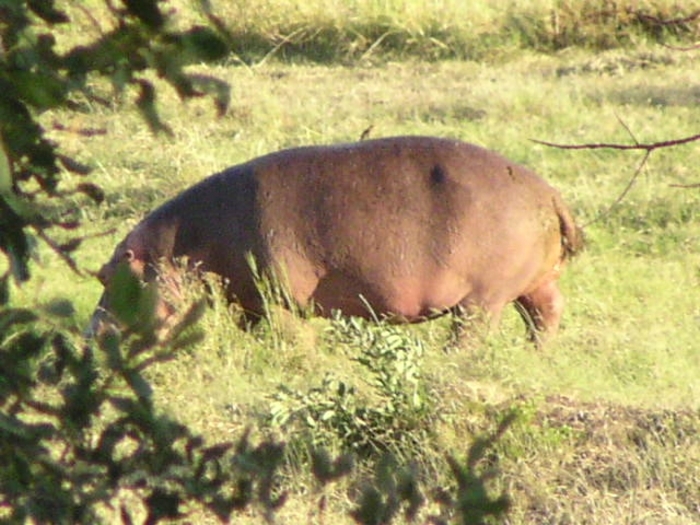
{"points": [[644, 147], [647, 148], [679, 48], [671, 22]]}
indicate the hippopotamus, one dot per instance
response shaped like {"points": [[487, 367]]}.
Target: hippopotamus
{"points": [[405, 228]]}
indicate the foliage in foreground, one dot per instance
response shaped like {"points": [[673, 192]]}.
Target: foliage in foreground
{"points": [[36, 75], [80, 434], [60, 381], [400, 418]]}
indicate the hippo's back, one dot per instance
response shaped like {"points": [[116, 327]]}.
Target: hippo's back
{"points": [[409, 220]]}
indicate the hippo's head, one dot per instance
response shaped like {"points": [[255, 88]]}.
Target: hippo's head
{"points": [[130, 260]]}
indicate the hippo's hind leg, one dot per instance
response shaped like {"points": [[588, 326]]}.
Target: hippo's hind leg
{"points": [[541, 310]]}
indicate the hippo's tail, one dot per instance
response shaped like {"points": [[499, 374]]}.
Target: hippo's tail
{"points": [[572, 239]]}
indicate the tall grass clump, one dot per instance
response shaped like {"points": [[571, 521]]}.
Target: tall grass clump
{"points": [[363, 30]]}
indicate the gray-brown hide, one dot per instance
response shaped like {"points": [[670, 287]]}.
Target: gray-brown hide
{"points": [[409, 226]]}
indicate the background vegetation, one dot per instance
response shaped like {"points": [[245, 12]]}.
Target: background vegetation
{"points": [[604, 418]]}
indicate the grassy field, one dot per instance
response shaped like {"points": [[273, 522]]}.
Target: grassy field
{"points": [[608, 413]]}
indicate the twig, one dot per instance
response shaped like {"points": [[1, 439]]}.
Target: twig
{"points": [[95, 22], [85, 132], [627, 128], [622, 195], [57, 249], [685, 186]]}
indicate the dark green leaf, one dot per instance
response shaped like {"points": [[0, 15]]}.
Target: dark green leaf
{"points": [[110, 341], [74, 166], [46, 10], [40, 90], [130, 302], [321, 465], [70, 246], [126, 516], [409, 491], [222, 507], [80, 401], [343, 465], [147, 107], [20, 211], [187, 341], [17, 250], [13, 316], [162, 504], [146, 313], [243, 495], [181, 83], [370, 509], [202, 44], [216, 452], [218, 89], [147, 11], [59, 308], [109, 439], [92, 190], [124, 295], [4, 289], [139, 385], [124, 405]]}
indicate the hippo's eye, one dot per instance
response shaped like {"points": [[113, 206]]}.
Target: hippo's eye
{"points": [[129, 255]]}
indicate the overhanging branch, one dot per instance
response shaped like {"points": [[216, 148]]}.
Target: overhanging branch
{"points": [[647, 148]]}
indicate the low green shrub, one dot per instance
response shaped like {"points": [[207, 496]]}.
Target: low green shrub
{"points": [[396, 415]]}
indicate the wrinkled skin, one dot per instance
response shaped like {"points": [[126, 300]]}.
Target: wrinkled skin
{"points": [[410, 226]]}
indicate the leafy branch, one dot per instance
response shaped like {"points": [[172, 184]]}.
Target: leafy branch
{"points": [[35, 76]]}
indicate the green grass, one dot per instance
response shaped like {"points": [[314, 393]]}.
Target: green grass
{"points": [[608, 410], [371, 30]]}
